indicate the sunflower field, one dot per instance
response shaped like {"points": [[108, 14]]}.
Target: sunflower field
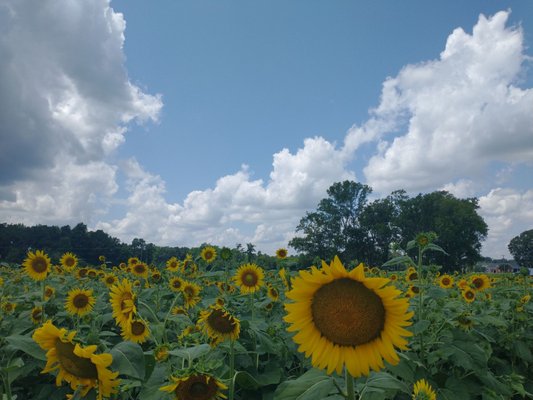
{"points": [[205, 327]]}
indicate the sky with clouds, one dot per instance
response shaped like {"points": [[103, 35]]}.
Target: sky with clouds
{"points": [[224, 122]]}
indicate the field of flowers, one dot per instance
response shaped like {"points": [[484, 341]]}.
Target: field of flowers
{"points": [[205, 328]]}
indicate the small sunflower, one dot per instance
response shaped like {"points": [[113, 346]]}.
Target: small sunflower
{"points": [[109, 280], [411, 276], [445, 281], [469, 295], [161, 353], [75, 364], [176, 284], [82, 273], [173, 264], [191, 293], [101, 259], [525, 299], [136, 331], [37, 265], [464, 321], [155, 277], [208, 254], [219, 324], [480, 282], [49, 291], [422, 390], [140, 270], [462, 284], [273, 293], [195, 387], [283, 275], [178, 310], [413, 291], [69, 261], [249, 278], [281, 253], [345, 319], [122, 301], [37, 315], [133, 260], [8, 307], [80, 301], [92, 273]]}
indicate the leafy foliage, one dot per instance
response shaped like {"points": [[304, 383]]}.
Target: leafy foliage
{"points": [[521, 247]]}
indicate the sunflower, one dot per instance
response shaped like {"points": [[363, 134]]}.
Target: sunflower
{"points": [[225, 287], [191, 293], [82, 273], [445, 281], [195, 387], [76, 365], [136, 331], [140, 269], [480, 282], [462, 284], [80, 301], [122, 301], [525, 299], [133, 260], [220, 301], [413, 291], [469, 295], [178, 310], [37, 315], [155, 277], [283, 275], [176, 284], [464, 321], [101, 259], [173, 264], [422, 390], [92, 273], [37, 265], [109, 280], [225, 253], [281, 253], [411, 276], [161, 353], [9, 307], [393, 277], [49, 291], [208, 254], [273, 293], [218, 324], [249, 278], [69, 261], [345, 319]]}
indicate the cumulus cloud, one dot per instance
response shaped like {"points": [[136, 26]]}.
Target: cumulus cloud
{"points": [[239, 208], [508, 212], [450, 118], [65, 103]]}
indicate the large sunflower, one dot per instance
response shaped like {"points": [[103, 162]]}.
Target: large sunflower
{"points": [[249, 278], [37, 265], [208, 254], [122, 301], [195, 387], [422, 390], [136, 330], [80, 301], [75, 364], [219, 324], [69, 261], [345, 319]]}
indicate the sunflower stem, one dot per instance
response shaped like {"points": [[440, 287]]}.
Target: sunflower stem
{"points": [[350, 393], [420, 302], [231, 369]]}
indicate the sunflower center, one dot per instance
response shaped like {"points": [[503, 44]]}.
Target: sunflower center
{"points": [[220, 322], [69, 262], [176, 284], [477, 282], [137, 328], [36, 314], [39, 264], [445, 281], [189, 291], [347, 313], [139, 268], [197, 388], [73, 364], [80, 300], [250, 279], [415, 289], [469, 294], [208, 255]]}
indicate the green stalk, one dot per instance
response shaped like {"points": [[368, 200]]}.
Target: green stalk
{"points": [[420, 302], [350, 393], [231, 369]]}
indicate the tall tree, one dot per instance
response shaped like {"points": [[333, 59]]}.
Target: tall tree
{"points": [[521, 247], [334, 228], [459, 227]]}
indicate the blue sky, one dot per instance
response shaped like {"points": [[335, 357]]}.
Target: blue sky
{"points": [[186, 122]]}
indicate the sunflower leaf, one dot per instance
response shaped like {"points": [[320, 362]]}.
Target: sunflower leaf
{"points": [[313, 385], [26, 345], [128, 359]]}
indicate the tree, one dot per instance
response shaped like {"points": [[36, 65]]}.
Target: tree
{"points": [[334, 228], [459, 227], [521, 247]]}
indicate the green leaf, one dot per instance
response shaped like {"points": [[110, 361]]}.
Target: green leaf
{"points": [[27, 345], [158, 378], [523, 351], [248, 381], [191, 353], [128, 359], [384, 380], [434, 247], [398, 260], [313, 385], [420, 326]]}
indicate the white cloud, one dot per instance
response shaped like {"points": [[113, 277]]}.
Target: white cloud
{"points": [[238, 208], [508, 212], [460, 112], [65, 102]]}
